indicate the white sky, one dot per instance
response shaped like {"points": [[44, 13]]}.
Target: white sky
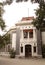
{"points": [[14, 12]]}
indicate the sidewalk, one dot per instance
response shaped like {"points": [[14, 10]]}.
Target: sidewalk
{"points": [[20, 61]]}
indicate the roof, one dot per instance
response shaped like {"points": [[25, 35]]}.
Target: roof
{"points": [[25, 21], [27, 18]]}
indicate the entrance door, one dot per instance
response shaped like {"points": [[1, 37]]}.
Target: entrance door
{"points": [[28, 52]]}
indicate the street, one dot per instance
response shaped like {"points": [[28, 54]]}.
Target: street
{"points": [[19, 61]]}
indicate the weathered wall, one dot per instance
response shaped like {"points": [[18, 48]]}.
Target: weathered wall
{"points": [[39, 42], [17, 41]]}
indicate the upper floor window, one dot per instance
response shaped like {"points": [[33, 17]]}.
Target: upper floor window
{"points": [[28, 33], [25, 34], [31, 33]]}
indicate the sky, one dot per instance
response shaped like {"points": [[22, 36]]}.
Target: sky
{"points": [[14, 13]]}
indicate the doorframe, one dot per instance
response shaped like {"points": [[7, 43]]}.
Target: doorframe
{"points": [[29, 50]]}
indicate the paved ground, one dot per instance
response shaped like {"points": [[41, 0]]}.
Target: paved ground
{"points": [[17, 61]]}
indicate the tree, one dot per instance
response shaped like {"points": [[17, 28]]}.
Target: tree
{"points": [[43, 50], [2, 23], [39, 22], [7, 2], [1, 42], [4, 40], [10, 1]]}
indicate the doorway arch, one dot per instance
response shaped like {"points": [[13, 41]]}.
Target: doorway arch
{"points": [[28, 51]]}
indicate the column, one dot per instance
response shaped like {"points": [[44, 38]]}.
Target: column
{"points": [[34, 34]]}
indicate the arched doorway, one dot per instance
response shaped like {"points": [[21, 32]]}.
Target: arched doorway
{"points": [[28, 51]]}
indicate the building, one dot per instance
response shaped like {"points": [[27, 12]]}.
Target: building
{"points": [[25, 38]]}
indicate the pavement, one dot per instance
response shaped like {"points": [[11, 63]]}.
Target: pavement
{"points": [[21, 61]]}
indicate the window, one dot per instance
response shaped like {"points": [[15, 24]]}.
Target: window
{"points": [[21, 49], [31, 34], [28, 31], [25, 34], [34, 49]]}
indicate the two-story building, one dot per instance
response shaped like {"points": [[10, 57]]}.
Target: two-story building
{"points": [[25, 38]]}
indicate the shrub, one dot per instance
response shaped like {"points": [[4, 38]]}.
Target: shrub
{"points": [[43, 51], [12, 53]]}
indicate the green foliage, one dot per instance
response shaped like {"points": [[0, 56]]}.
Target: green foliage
{"points": [[39, 11], [39, 22], [2, 23], [9, 2], [12, 53], [6, 39], [43, 51], [1, 3], [1, 42], [33, 1]]}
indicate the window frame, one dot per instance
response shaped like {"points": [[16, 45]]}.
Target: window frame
{"points": [[22, 49], [25, 34], [34, 48], [31, 35]]}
